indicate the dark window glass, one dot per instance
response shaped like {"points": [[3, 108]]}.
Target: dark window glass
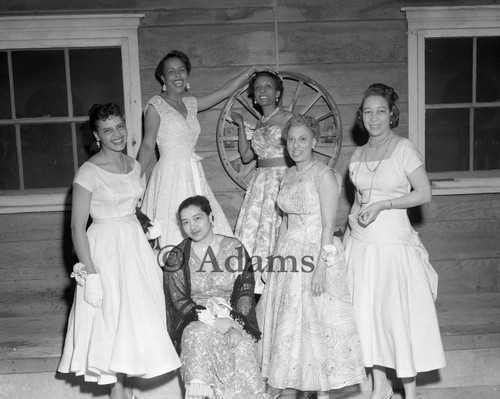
{"points": [[486, 138], [40, 83], [96, 77], [85, 142], [9, 168], [488, 69], [448, 71], [447, 140], [5, 107], [47, 155]]}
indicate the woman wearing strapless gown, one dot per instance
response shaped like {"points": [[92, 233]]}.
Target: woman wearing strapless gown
{"points": [[259, 218], [170, 121]]}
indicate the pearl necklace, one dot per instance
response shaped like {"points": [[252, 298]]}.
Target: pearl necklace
{"points": [[371, 143], [264, 118], [374, 171]]}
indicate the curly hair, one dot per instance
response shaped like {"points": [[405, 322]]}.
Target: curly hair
{"points": [[388, 94], [102, 112], [302, 120], [173, 54], [278, 83]]}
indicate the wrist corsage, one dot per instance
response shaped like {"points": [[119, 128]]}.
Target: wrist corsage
{"points": [[79, 273], [152, 228], [328, 255]]}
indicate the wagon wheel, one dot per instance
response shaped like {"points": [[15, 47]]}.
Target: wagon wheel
{"points": [[300, 95]]}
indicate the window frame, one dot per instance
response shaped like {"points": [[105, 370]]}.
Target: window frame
{"points": [[445, 22], [76, 31]]}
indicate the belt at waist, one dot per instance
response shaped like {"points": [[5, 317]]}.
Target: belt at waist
{"points": [[271, 162], [119, 219]]}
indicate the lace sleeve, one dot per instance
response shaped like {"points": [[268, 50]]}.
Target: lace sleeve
{"points": [[243, 300], [180, 307]]}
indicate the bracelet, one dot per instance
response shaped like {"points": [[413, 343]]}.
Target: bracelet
{"points": [[328, 255], [79, 273]]}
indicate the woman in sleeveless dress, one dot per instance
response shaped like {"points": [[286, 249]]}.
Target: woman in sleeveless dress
{"points": [[117, 324], [170, 121], [209, 290], [392, 283], [309, 337], [259, 218]]}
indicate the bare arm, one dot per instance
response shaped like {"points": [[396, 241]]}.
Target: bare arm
{"points": [[209, 100], [79, 216], [421, 194], [244, 147], [151, 126], [329, 192]]}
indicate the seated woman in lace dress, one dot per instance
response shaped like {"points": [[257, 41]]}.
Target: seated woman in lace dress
{"points": [[209, 288]]}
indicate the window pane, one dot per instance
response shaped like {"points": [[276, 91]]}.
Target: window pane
{"points": [[85, 142], [47, 155], [96, 77], [39, 83], [446, 140], [448, 71], [9, 169], [487, 138], [488, 69], [4, 87]]}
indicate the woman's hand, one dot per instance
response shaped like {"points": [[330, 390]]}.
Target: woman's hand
{"points": [[92, 290], [234, 337], [318, 283], [223, 325], [238, 120], [368, 215]]}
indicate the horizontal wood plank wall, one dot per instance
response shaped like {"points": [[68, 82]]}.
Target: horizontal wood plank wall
{"points": [[344, 45]]}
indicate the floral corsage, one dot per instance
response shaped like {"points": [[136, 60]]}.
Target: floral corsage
{"points": [[152, 228], [328, 255], [216, 307], [79, 273]]}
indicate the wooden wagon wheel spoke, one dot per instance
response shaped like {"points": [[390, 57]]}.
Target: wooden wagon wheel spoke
{"points": [[301, 95]]}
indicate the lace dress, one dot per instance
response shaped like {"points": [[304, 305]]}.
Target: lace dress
{"points": [[128, 334], [209, 366], [259, 219], [390, 277], [178, 173], [308, 343]]}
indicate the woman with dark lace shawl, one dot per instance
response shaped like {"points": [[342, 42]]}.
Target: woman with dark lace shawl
{"points": [[218, 354]]}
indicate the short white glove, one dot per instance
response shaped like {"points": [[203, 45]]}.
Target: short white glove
{"points": [[92, 290], [154, 231]]}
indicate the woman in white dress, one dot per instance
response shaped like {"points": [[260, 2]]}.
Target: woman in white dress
{"points": [[117, 324], [392, 283], [170, 121]]}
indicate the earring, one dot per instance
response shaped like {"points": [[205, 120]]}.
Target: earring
{"points": [[277, 100], [98, 143], [390, 123], [164, 87], [188, 86]]}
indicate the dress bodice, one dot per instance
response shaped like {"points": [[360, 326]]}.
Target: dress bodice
{"points": [[267, 142], [113, 194], [208, 280], [299, 198], [177, 136]]}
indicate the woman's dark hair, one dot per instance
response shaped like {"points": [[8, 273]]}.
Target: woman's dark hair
{"points": [[173, 54], [388, 94], [278, 83], [198, 200], [302, 120], [102, 112]]}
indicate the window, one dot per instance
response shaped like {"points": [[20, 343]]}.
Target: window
{"points": [[52, 70], [454, 95]]}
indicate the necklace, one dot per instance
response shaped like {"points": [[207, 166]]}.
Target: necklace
{"points": [[264, 118], [374, 171], [371, 143]]}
